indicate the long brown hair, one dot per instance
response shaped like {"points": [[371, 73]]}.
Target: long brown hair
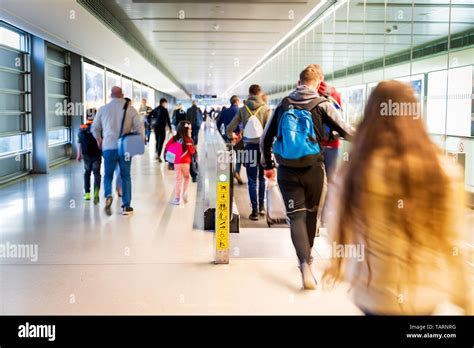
{"points": [[182, 133], [398, 148]]}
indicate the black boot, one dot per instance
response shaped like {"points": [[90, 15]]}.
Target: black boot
{"points": [[254, 215]]}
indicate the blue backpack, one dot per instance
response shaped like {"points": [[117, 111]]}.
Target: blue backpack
{"points": [[297, 144]]}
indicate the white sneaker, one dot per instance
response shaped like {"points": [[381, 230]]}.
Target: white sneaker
{"points": [[309, 283], [176, 201], [185, 198]]}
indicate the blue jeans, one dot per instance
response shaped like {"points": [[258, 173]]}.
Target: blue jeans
{"points": [[254, 172], [330, 161], [147, 133], [238, 166], [118, 179], [111, 158], [195, 134]]}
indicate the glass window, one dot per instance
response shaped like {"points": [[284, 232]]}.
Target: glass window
{"points": [[137, 95], [57, 136], [149, 94], [27, 141], [10, 144], [127, 88], [10, 38], [459, 108], [93, 86], [111, 81]]}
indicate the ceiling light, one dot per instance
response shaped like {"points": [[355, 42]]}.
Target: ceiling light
{"points": [[290, 33]]}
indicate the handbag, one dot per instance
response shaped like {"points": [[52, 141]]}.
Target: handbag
{"points": [[195, 164], [130, 144]]}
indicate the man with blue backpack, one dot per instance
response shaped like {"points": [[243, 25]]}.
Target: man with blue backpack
{"points": [[298, 126]]}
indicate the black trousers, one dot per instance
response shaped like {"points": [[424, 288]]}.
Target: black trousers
{"points": [[160, 136], [304, 191], [92, 165]]}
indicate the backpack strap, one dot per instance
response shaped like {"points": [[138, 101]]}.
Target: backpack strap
{"points": [[125, 107], [256, 111]]}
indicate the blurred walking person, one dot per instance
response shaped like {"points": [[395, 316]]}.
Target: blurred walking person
{"points": [[253, 117], [182, 149], [401, 201], [106, 130], [297, 124], [194, 116], [143, 112], [222, 123], [160, 119]]}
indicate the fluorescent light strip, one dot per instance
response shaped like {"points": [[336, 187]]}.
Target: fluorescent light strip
{"points": [[256, 67]]}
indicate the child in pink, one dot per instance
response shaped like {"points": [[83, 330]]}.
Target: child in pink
{"points": [[182, 163]]}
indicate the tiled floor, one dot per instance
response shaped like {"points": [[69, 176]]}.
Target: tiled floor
{"points": [[153, 262]]}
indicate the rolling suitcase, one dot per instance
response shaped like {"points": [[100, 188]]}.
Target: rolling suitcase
{"points": [[276, 210]]}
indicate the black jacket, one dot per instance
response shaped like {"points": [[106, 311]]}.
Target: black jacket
{"points": [[194, 116], [160, 118], [178, 116]]}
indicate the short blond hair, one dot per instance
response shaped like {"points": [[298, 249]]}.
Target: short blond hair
{"points": [[312, 72]]}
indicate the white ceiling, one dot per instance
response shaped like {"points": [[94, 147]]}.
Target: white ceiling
{"points": [[354, 34], [216, 42], [84, 35], [208, 61]]}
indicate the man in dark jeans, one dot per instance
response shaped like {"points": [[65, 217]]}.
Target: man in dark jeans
{"points": [[160, 119], [303, 187], [194, 115], [88, 150], [253, 116], [223, 122]]}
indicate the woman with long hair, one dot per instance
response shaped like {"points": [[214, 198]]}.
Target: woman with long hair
{"points": [[183, 159], [399, 202]]}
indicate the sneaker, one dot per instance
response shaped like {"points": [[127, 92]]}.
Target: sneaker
{"points": [[261, 211], [108, 205], [309, 283], [127, 211], [185, 198], [87, 196], [238, 178], [96, 196], [176, 201], [254, 215]]}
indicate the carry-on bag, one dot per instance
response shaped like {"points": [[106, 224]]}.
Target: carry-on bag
{"points": [[130, 144], [276, 210]]}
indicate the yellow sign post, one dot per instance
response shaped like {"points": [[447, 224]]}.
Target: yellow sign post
{"points": [[222, 221]]}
